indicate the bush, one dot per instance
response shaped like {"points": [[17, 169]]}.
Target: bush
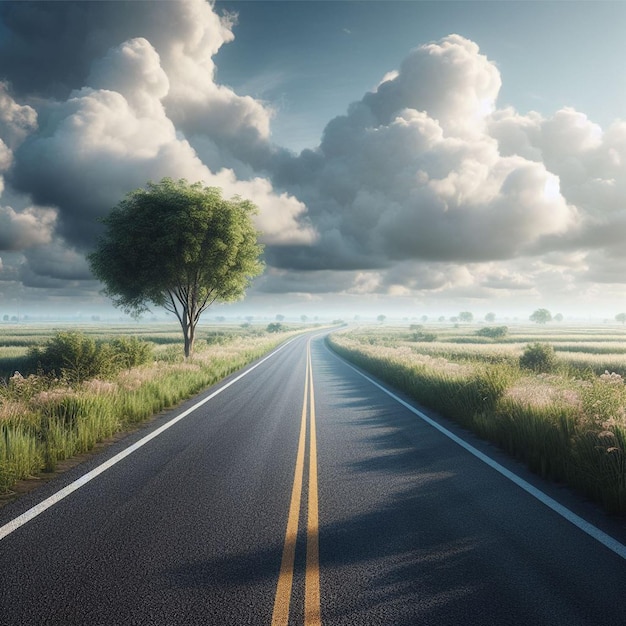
{"points": [[130, 352], [422, 336], [274, 327], [75, 357], [494, 332], [539, 357]]}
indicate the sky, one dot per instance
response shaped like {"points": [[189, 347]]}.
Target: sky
{"points": [[408, 158]]}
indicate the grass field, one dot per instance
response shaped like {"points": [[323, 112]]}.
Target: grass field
{"points": [[47, 418], [566, 421]]}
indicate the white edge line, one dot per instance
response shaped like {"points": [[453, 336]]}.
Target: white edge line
{"points": [[33, 512], [591, 530]]}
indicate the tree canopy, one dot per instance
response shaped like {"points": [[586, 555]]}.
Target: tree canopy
{"points": [[178, 246], [541, 316]]}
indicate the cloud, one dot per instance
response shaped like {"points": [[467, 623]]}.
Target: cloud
{"points": [[412, 173], [55, 263], [133, 69], [590, 164], [25, 229], [275, 281], [48, 48], [95, 148], [449, 80], [114, 134], [16, 120]]}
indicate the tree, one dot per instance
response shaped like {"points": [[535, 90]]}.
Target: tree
{"points": [[490, 317], [621, 317], [541, 316], [280, 317], [558, 317], [466, 316], [178, 246], [381, 318]]}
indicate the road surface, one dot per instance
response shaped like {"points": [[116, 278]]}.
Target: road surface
{"points": [[299, 492]]}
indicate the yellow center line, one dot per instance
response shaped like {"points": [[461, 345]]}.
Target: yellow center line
{"points": [[312, 616], [280, 615]]}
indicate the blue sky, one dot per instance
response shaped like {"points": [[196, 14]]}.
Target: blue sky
{"points": [[407, 158]]}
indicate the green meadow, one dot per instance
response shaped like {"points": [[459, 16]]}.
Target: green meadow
{"points": [[552, 396], [107, 379]]}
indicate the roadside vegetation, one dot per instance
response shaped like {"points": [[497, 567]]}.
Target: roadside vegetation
{"points": [[62, 392], [552, 398]]}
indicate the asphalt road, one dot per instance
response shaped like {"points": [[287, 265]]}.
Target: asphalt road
{"points": [[303, 494]]}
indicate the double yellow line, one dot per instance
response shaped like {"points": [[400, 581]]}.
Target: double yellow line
{"points": [[312, 617]]}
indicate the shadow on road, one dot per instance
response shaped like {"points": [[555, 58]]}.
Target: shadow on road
{"points": [[417, 531]]}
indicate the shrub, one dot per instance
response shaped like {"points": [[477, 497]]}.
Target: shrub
{"points": [[494, 332], [274, 327], [422, 336], [73, 356], [539, 357], [130, 352]]}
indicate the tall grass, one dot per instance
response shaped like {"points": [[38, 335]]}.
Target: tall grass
{"points": [[566, 428], [44, 420]]}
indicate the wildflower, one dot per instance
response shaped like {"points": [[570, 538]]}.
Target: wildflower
{"points": [[99, 386], [606, 434], [612, 379]]}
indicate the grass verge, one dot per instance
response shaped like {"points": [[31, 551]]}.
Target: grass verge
{"points": [[44, 421], [566, 429]]}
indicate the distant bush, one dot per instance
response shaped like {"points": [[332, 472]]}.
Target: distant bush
{"points": [[274, 327], [539, 357], [422, 336], [494, 332]]}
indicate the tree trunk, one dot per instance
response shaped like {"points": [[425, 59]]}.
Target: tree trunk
{"points": [[189, 340], [189, 333]]}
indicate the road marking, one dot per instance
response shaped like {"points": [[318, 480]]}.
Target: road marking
{"points": [[312, 613], [312, 616], [22, 519], [588, 528], [280, 615]]}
